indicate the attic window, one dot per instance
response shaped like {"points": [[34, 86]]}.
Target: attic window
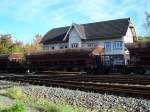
{"points": [[74, 45]]}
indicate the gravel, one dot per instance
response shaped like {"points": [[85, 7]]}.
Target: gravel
{"points": [[84, 99], [8, 101], [88, 100]]}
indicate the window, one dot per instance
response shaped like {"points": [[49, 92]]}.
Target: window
{"points": [[117, 45], [91, 44], [106, 60], [74, 45], [107, 46], [53, 47], [61, 47], [118, 61]]}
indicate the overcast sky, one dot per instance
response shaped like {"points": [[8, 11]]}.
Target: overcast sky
{"points": [[25, 18]]}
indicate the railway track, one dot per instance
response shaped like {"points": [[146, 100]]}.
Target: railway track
{"points": [[140, 80], [122, 86]]}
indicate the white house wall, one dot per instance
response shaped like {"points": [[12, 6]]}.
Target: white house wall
{"points": [[100, 43], [128, 38], [74, 37], [56, 46]]}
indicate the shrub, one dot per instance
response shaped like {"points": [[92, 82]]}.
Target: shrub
{"points": [[16, 107]]}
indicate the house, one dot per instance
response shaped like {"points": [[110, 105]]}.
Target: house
{"points": [[111, 35]]}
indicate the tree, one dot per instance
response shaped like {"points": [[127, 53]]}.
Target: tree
{"points": [[35, 45], [5, 44], [8, 47], [18, 47]]}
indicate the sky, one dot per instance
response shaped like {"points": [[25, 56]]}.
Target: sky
{"points": [[23, 19]]}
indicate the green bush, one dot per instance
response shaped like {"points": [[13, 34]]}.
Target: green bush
{"points": [[16, 107]]}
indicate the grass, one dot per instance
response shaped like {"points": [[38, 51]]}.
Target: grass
{"points": [[16, 107], [45, 104], [16, 93], [41, 103], [49, 106], [144, 39]]}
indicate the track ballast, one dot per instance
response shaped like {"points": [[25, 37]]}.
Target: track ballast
{"points": [[134, 86]]}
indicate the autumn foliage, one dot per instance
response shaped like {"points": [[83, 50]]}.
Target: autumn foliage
{"points": [[7, 46]]}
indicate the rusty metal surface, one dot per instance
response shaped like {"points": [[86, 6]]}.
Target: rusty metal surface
{"points": [[140, 53], [66, 53]]}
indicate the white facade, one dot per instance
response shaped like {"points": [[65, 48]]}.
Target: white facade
{"points": [[55, 46]]}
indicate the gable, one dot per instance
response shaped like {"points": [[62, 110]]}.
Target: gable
{"points": [[78, 29], [130, 36], [74, 36]]}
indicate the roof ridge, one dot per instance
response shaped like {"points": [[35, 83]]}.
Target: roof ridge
{"points": [[106, 21]]}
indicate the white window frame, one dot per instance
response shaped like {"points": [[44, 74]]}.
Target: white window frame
{"points": [[91, 44], [74, 45], [107, 45], [117, 45], [106, 60]]}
